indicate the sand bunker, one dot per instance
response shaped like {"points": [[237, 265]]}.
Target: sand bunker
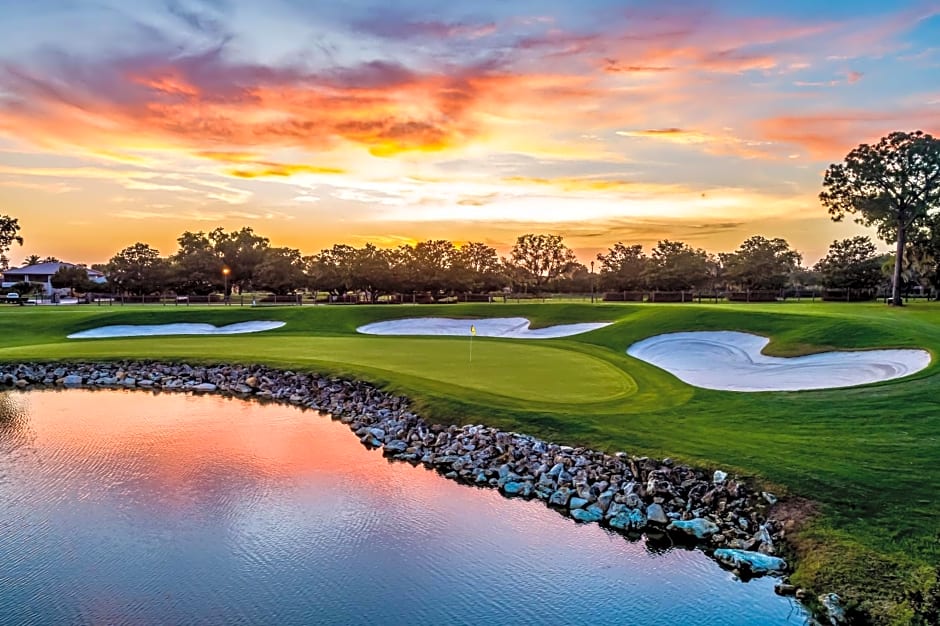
{"points": [[508, 327], [151, 330], [732, 361]]}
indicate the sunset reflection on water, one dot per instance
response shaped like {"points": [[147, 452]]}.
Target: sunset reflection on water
{"points": [[142, 507]]}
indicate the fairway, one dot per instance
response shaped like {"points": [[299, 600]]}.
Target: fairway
{"points": [[868, 456]]}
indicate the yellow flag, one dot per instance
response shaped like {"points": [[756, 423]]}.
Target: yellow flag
{"points": [[473, 330]]}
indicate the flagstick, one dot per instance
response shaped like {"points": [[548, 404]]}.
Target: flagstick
{"points": [[471, 350]]}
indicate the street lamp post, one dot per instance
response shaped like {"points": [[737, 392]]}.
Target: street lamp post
{"points": [[592, 282], [225, 272]]}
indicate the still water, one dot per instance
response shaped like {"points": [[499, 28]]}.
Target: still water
{"points": [[120, 507]]}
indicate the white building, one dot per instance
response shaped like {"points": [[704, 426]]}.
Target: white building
{"points": [[42, 274]]}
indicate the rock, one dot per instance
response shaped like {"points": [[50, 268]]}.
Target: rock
{"points": [[633, 501], [656, 514], [557, 469], [395, 446], [587, 515], [199, 387], [630, 519], [719, 477], [699, 527], [560, 497], [378, 433], [72, 380], [834, 609], [252, 381], [752, 562], [637, 519], [615, 509], [783, 589], [577, 503], [769, 497], [512, 488], [604, 499]]}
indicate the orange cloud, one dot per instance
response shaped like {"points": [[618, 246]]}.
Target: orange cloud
{"points": [[830, 135], [584, 184], [713, 143], [267, 169]]}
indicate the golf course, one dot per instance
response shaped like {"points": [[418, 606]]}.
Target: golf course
{"points": [[858, 466]]}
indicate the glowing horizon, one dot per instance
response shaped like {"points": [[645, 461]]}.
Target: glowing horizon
{"points": [[707, 122]]}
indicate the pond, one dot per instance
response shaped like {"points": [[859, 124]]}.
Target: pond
{"points": [[131, 507]]}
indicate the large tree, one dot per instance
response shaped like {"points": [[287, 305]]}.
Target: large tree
{"points": [[622, 267], [851, 264], [893, 185], [280, 271], [478, 268], [371, 271], [760, 263], [196, 268], [428, 265], [9, 234], [331, 269], [674, 266], [75, 277], [138, 269], [542, 258], [241, 251]]}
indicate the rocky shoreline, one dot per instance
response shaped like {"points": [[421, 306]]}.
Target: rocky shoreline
{"points": [[720, 513]]}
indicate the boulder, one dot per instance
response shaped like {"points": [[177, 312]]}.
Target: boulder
{"points": [[199, 387], [753, 562], [615, 509], [557, 469], [560, 497], [395, 446], [719, 477], [577, 503], [630, 519], [587, 515], [72, 380], [656, 514], [700, 528]]}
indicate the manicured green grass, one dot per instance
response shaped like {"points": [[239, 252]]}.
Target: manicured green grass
{"points": [[870, 456]]}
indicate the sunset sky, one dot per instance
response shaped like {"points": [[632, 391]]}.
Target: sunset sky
{"points": [[350, 121]]}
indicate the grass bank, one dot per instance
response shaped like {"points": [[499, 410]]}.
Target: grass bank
{"points": [[869, 456]]}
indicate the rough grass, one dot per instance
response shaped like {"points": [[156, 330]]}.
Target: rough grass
{"points": [[870, 456]]}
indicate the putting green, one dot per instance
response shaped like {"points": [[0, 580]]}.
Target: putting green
{"points": [[515, 369]]}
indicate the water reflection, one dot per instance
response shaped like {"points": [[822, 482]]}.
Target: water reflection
{"points": [[132, 507]]}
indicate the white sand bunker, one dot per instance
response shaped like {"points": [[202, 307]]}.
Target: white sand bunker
{"points": [[732, 361], [151, 330], [508, 327]]}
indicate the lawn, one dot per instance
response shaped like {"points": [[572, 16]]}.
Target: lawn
{"points": [[869, 456]]}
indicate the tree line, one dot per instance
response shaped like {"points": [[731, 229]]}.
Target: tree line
{"points": [[242, 260], [893, 186]]}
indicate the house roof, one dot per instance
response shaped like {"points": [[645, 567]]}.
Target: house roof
{"points": [[45, 269]]}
